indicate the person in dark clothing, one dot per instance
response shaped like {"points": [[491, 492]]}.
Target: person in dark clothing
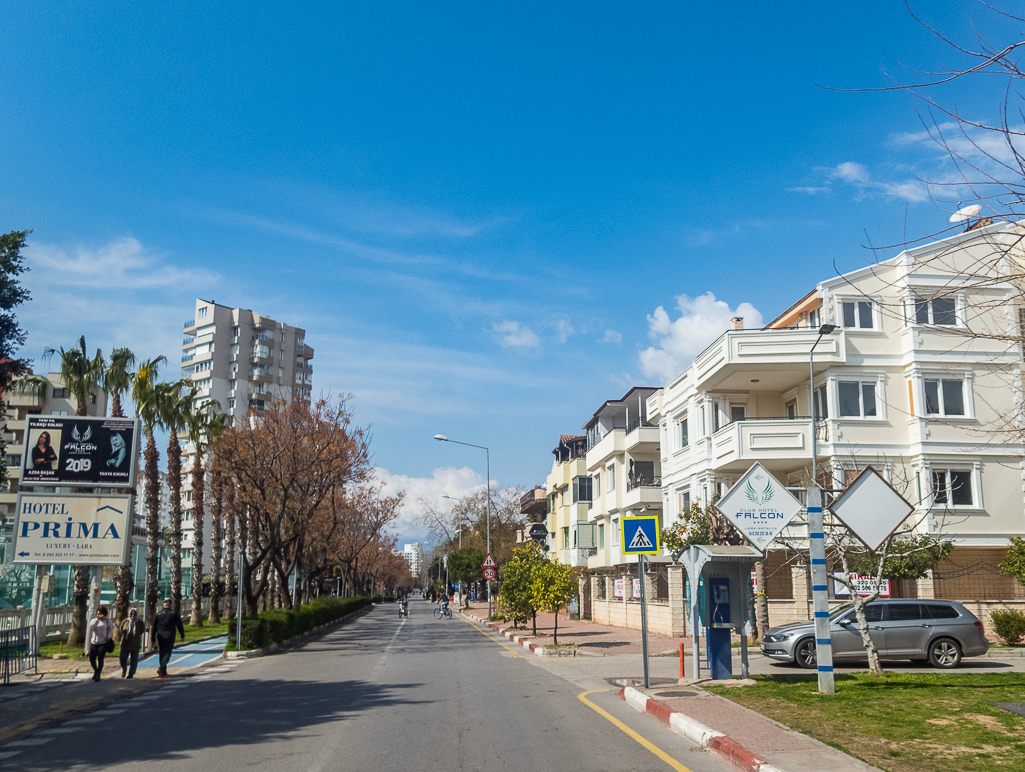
{"points": [[162, 634], [132, 632]]}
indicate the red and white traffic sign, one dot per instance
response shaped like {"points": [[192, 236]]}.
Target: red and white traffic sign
{"points": [[489, 574], [489, 562]]}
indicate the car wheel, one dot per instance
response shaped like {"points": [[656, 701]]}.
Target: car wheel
{"points": [[805, 655], [944, 653]]}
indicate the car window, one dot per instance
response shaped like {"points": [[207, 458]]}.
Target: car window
{"points": [[904, 612], [939, 611], [873, 613]]}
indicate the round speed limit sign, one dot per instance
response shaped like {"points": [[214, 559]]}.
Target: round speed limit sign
{"points": [[489, 574]]}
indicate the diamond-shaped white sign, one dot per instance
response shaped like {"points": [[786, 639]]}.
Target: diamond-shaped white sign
{"points": [[871, 509], [759, 506]]}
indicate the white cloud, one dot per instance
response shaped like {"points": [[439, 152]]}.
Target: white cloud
{"points": [[678, 341], [564, 330], [116, 294], [516, 335], [445, 481], [611, 336]]}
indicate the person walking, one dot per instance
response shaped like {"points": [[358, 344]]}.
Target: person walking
{"points": [[162, 634], [100, 635], [132, 631]]}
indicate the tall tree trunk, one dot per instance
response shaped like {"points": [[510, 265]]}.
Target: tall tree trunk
{"points": [[80, 613], [174, 484], [125, 579], [198, 516], [216, 549], [152, 526], [761, 601], [229, 553]]}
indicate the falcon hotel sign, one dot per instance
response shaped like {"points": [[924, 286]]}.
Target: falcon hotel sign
{"points": [[759, 506]]}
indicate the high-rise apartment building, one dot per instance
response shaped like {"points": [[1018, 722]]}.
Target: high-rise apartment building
{"points": [[414, 556], [245, 362]]}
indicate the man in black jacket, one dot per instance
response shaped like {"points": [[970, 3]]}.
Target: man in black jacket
{"points": [[162, 633]]}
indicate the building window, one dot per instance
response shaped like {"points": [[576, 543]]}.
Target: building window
{"points": [[815, 318], [92, 398], [597, 485], [939, 311], [581, 489], [944, 397], [301, 345], [201, 312], [231, 403], [952, 487], [737, 413], [681, 432], [857, 399], [615, 533], [684, 501], [821, 404], [610, 475], [60, 393], [234, 331], [601, 536], [791, 408], [857, 314], [13, 460], [565, 538]]}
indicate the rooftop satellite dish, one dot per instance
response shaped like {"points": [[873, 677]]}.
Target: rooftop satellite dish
{"points": [[965, 213]]}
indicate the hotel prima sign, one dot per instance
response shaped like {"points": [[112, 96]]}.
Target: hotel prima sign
{"points": [[52, 528]]}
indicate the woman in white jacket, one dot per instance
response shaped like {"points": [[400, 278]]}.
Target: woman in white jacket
{"points": [[98, 633]]}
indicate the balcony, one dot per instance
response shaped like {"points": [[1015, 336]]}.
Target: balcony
{"points": [[188, 357], [190, 323], [641, 433], [603, 446], [778, 443], [777, 358], [643, 492], [534, 502], [257, 404]]}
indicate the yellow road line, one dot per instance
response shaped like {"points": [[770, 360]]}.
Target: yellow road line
{"points": [[500, 643], [620, 725]]}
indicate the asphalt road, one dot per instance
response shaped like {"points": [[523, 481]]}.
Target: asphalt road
{"points": [[375, 694]]}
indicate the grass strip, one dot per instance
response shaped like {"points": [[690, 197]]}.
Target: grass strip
{"points": [[902, 722]]}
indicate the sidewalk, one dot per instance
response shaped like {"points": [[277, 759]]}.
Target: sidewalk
{"points": [[747, 740]]}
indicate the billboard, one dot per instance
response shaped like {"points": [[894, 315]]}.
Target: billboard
{"points": [[80, 529], [79, 450]]}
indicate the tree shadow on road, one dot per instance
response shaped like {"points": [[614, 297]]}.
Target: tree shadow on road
{"points": [[211, 714]]}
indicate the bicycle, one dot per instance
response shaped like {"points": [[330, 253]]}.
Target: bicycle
{"points": [[440, 612], [403, 611]]}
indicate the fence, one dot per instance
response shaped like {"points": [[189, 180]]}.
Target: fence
{"points": [[17, 652]]}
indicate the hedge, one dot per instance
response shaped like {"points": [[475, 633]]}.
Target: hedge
{"points": [[277, 625]]}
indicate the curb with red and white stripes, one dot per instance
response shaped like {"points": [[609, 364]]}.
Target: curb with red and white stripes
{"points": [[726, 748], [539, 651]]}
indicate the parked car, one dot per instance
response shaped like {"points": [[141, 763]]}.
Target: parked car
{"points": [[940, 631]]}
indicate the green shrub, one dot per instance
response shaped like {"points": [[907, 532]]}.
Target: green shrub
{"points": [[389, 598], [1009, 625], [376, 599], [278, 625]]}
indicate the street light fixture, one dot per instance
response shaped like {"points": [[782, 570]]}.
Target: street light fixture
{"points": [[487, 456], [817, 539]]}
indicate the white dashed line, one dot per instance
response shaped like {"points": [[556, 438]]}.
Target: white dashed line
{"points": [[61, 730], [8, 754], [29, 741]]}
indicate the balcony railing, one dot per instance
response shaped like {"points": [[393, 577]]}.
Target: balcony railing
{"points": [[644, 482], [593, 438], [190, 323], [638, 423], [188, 357]]}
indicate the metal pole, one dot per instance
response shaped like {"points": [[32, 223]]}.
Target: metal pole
{"points": [[817, 539], [644, 620], [487, 455]]}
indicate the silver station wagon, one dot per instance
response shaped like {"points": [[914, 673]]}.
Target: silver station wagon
{"points": [[940, 631]]}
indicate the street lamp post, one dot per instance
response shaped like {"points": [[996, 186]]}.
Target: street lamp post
{"points": [[487, 456], [817, 547]]}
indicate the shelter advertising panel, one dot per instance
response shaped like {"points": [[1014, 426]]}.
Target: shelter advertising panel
{"points": [[82, 451], [80, 529]]}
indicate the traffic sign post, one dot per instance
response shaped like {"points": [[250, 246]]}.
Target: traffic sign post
{"points": [[489, 574], [641, 537]]}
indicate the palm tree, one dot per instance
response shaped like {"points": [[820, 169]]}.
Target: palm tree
{"points": [[117, 380], [201, 422], [145, 394], [81, 376], [174, 404]]}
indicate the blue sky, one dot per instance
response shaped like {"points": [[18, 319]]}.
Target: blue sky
{"points": [[489, 219]]}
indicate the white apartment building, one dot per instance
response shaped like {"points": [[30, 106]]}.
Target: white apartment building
{"points": [[245, 362], [625, 467], [569, 490], [413, 554], [908, 383]]}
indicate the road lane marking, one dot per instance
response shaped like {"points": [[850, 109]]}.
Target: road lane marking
{"points": [[510, 649], [630, 732]]}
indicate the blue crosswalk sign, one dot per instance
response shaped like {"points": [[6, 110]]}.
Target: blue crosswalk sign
{"points": [[641, 535]]}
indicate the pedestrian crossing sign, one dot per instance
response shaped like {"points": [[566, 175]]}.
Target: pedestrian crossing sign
{"points": [[641, 535]]}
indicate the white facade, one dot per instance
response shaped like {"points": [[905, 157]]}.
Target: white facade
{"points": [[245, 362], [908, 382], [625, 467], [413, 554]]}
